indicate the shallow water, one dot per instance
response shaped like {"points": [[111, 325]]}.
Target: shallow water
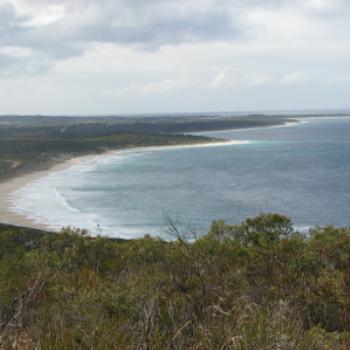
{"points": [[302, 171]]}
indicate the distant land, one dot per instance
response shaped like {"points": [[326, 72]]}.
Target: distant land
{"points": [[29, 143]]}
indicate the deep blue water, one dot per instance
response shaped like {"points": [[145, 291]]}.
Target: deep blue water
{"points": [[301, 171]]}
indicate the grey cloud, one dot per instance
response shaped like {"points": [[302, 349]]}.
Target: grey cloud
{"points": [[10, 66], [7, 14], [8, 22], [142, 24], [165, 30], [162, 25]]}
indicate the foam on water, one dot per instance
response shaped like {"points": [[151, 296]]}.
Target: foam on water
{"points": [[300, 171], [43, 201], [49, 200]]}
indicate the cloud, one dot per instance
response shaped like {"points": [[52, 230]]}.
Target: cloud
{"points": [[163, 85], [294, 78], [219, 79], [15, 52], [197, 50], [152, 87], [228, 78], [258, 79], [325, 7], [22, 61], [60, 29], [63, 29]]}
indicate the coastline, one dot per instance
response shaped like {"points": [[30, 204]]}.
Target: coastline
{"points": [[285, 125], [9, 215]]}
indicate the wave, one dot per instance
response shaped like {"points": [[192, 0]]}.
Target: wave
{"points": [[55, 199]]}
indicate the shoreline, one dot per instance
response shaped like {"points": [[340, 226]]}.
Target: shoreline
{"points": [[285, 125], [10, 216]]}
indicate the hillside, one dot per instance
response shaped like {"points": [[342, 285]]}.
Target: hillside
{"points": [[258, 285]]}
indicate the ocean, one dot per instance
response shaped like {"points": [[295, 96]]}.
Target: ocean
{"points": [[301, 171]]}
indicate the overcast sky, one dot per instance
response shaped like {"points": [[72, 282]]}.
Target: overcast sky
{"points": [[144, 56]]}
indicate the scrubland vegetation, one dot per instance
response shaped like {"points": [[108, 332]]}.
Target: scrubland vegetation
{"points": [[258, 285]]}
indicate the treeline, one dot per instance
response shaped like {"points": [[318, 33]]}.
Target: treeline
{"points": [[105, 127], [143, 123], [258, 285]]}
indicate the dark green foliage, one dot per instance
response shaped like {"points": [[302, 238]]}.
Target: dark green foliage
{"points": [[258, 285]]}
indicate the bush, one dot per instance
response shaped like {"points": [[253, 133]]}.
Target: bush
{"points": [[258, 285]]}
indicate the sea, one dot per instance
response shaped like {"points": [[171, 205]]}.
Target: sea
{"points": [[300, 170]]}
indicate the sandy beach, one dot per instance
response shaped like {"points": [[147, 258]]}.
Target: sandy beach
{"points": [[8, 214]]}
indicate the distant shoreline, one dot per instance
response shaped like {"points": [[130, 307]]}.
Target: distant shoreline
{"points": [[285, 125], [8, 215]]}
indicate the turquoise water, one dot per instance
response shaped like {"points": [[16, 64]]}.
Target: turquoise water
{"points": [[302, 171]]}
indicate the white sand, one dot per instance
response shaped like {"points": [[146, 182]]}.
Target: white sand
{"points": [[8, 215]]}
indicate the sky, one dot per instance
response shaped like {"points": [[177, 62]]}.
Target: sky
{"points": [[172, 56]]}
